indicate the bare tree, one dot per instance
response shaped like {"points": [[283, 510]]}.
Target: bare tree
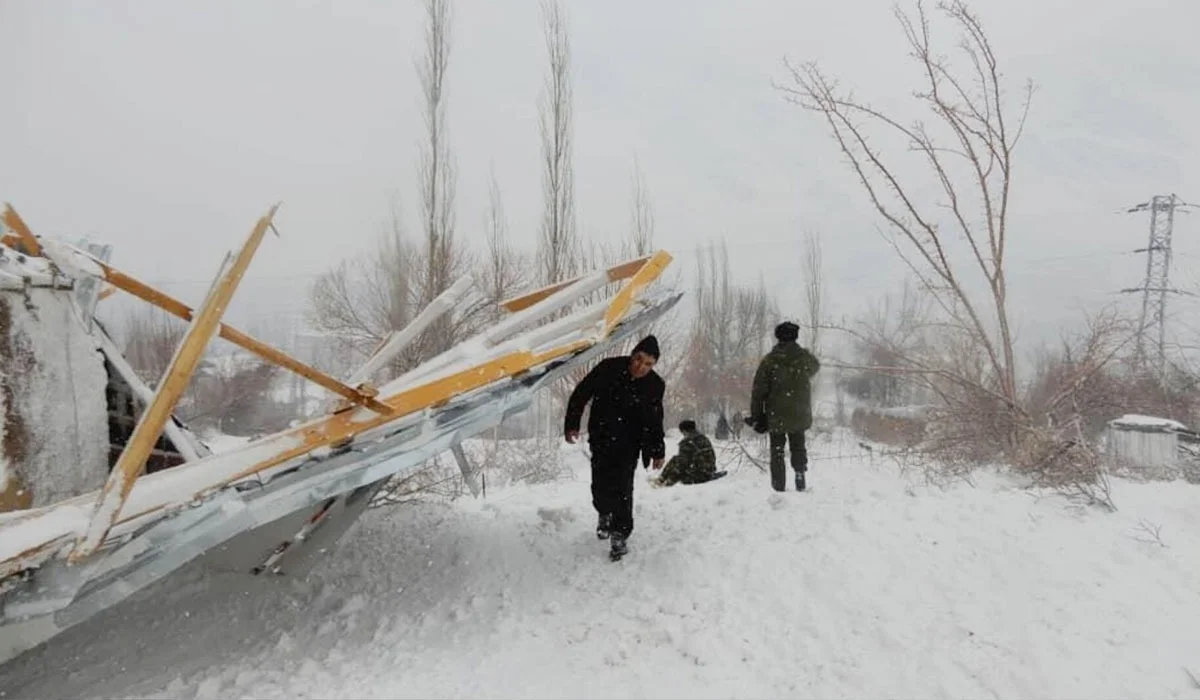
{"points": [[968, 149], [814, 289], [234, 396], [557, 248], [360, 300], [730, 327], [150, 339], [229, 391], [436, 170], [641, 215], [505, 271]]}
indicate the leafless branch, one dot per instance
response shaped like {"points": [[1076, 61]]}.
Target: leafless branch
{"points": [[558, 245], [974, 175]]}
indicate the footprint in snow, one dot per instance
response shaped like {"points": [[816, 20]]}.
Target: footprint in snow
{"points": [[558, 518]]}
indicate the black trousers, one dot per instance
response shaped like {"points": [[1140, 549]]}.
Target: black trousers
{"points": [[612, 487], [799, 457]]}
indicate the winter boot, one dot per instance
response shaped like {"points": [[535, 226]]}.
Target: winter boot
{"points": [[800, 481], [603, 527], [619, 548]]}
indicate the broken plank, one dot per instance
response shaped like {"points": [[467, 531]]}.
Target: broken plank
{"points": [[28, 243], [179, 373]]}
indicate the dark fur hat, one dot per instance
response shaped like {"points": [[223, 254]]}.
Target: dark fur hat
{"points": [[787, 332], [648, 345]]}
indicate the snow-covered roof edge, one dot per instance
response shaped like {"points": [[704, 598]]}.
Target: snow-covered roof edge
{"points": [[1136, 421]]}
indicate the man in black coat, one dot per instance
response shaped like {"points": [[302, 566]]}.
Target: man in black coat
{"points": [[626, 421]]}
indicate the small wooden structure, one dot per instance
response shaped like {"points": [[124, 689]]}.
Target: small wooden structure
{"points": [[1144, 442]]}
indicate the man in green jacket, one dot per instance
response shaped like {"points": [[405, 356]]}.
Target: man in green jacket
{"points": [[781, 402], [696, 462]]}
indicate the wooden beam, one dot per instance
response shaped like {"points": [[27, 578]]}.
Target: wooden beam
{"points": [[310, 373], [27, 242], [616, 273], [646, 274], [177, 308], [179, 373]]}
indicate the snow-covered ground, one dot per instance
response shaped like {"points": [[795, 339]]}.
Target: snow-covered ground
{"points": [[869, 585]]}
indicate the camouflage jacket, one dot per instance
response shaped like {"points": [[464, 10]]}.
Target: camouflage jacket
{"points": [[695, 463]]}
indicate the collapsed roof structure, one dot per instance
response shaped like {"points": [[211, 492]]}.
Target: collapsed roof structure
{"points": [[103, 490]]}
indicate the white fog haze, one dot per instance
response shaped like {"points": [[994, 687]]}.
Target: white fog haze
{"points": [[166, 128]]}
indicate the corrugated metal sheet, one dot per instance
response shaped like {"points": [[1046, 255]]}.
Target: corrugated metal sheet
{"points": [[1141, 448]]}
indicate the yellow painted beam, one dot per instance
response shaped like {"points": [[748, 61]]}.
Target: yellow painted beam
{"points": [[622, 302], [179, 373], [616, 273], [25, 241]]}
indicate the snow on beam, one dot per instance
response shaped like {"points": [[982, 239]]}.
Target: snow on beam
{"points": [[640, 280], [398, 340], [72, 258], [615, 273], [480, 347], [486, 346], [158, 412], [583, 325], [565, 296]]}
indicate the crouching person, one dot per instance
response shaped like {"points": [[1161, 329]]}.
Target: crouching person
{"points": [[696, 462]]}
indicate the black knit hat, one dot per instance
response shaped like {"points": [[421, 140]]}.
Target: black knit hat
{"points": [[787, 332], [648, 345], [687, 426]]}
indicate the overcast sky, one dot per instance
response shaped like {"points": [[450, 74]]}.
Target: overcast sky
{"points": [[168, 127]]}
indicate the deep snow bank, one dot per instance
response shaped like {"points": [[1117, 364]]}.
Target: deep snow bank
{"points": [[868, 586]]}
